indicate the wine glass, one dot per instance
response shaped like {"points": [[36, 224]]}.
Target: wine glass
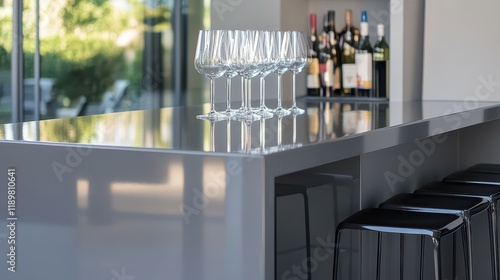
{"points": [[210, 61], [246, 59], [230, 73], [240, 37], [283, 64], [299, 54], [268, 64]]}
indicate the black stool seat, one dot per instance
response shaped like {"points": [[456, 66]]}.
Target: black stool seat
{"points": [[484, 191], [491, 193], [298, 182], [463, 206], [434, 225], [466, 207], [485, 168], [472, 177], [392, 221]]}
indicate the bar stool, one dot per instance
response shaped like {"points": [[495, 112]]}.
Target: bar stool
{"points": [[300, 183], [433, 225], [485, 168], [478, 174], [465, 207], [488, 192]]}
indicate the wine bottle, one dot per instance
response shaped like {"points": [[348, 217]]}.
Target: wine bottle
{"points": [[348, 43], [381, 65], [364, 60], [325, 67], [350, 28], [313, 83], [325, 62], [335, 52]]}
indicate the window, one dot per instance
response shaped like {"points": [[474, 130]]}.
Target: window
{"points": [[100, 56]]}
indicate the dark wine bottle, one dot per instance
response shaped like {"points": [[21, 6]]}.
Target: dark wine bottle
{"points": [[364, 60], [313, 83], [325, 67], [348, 43], [333, 37], [325, 62], [381, 65]]}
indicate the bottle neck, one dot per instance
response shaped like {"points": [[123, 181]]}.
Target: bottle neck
{"points": [[364, 29], [348, 18], [332, 27]]}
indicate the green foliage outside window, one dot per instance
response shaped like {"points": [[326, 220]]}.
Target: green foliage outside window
{"points": [[79, 46]]}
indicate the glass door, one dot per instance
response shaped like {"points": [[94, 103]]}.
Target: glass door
{"points": [[98, 56]]}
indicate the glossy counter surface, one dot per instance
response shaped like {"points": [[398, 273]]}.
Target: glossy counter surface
{"points": [[161, 195], [177, 129]]}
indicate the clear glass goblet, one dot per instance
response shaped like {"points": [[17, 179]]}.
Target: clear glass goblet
{"points": [[246, 60], [231, 71], [284, 62], [267, 65], [300, 60], [210, 61]]}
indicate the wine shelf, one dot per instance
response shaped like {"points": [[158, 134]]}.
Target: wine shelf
{"points": [[404, 32]]}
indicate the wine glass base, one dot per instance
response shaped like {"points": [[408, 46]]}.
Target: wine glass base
{"points": [[280, 112], [265, 114], [212, 116], [248, 116], [296, 110], [229, 113]]}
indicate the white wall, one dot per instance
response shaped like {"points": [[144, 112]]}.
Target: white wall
{"points": [[245, 14], [462, 45]]}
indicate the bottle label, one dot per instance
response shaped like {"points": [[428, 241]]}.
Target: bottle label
{"points": [[379, 56], [313, 74], [333, 38], [337, 78], [312, 81], [349, 71], [323, 72], [313, 67], [329, 75], [365, 68]]}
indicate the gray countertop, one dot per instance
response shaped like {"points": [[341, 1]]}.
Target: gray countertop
{"points": [[377, 124], [155, 193]]}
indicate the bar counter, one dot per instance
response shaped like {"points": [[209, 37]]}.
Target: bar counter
{"points": [[158, 194]]}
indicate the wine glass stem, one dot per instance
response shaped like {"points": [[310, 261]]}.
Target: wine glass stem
{"points": [[248, 139], [294, 90], [245, 94], [280, 90], [212, 90], [262, 91], [228, 98], [243, 88], [242, 136], [249, 94]]}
